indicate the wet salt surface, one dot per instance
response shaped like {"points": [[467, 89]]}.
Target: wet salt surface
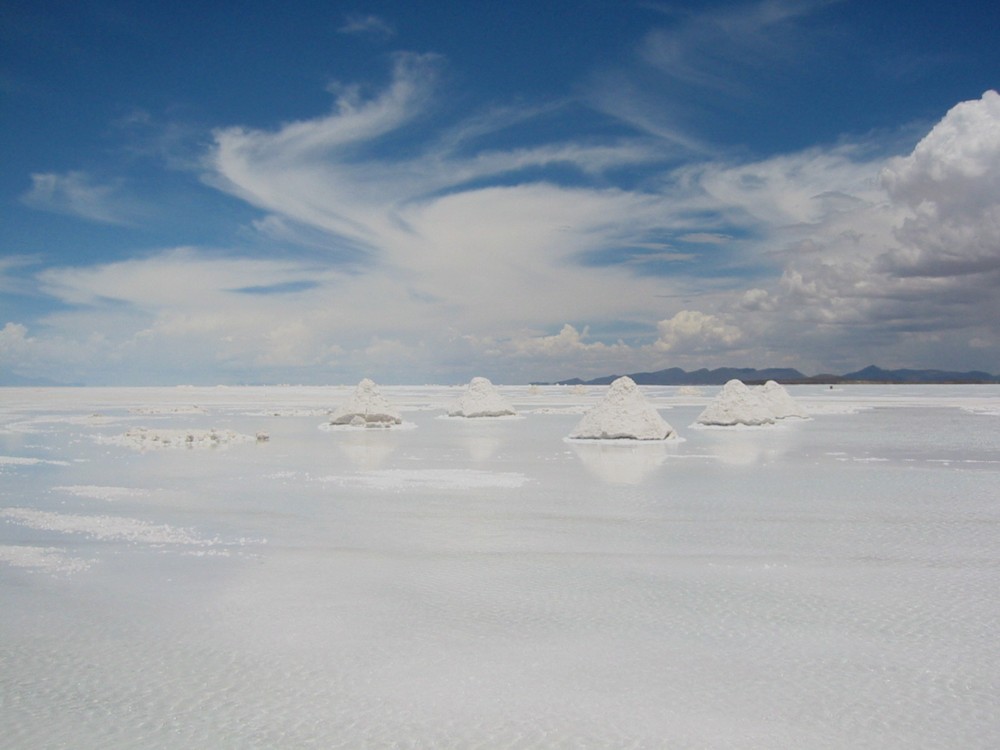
{"points": [[829, 583]]}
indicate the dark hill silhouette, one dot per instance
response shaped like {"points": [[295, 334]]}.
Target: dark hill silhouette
{"points": [[790, 376]]}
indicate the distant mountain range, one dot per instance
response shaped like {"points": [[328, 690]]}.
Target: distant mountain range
{"points": [[790, 376], [719, 376], [16, 381]]}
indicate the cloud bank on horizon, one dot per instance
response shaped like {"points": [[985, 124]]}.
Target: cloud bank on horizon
{"points": [[415, 232]]}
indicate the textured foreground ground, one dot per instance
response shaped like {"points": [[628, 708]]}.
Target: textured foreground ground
{"points": [[829, 583]]}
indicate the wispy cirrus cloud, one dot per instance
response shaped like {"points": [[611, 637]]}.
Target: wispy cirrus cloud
{"points": [[11, 269], [809, 237], [719, 49], [458, 220], [366, 24], [79, 194], [696, 67]]}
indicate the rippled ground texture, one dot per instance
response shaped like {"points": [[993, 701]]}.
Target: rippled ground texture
{"points": [[828, 583]]}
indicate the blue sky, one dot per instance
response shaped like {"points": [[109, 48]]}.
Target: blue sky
{"points": [[424, 192]]}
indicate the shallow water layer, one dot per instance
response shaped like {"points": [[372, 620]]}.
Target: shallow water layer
{"points": [[459, 583]]}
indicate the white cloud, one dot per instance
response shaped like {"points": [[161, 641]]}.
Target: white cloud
{"points": [[452, 255], [756, 299], [178, 277], [785, 191], [714, 48], [568, 341], [951, 184], [357, 23], [9, 265], [438, 243], [695, 331], [702, 60], [79, 194], [904, 260], [13, 341], [706, 238]]}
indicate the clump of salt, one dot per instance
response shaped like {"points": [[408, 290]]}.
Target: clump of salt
{"points": [[366, 406], [780, 402], [736, 404], [143, 438], [481, 400], [625, 414]]}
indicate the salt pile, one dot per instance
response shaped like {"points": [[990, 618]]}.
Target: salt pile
{"points": [[736, 404], [623, 414], [366, 407], [481, 400], [780, 402]]}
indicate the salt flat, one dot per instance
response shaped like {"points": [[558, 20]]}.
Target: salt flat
{"points": [[823, 583]]}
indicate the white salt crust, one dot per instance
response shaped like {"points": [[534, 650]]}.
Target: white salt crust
{"points": [[42, 559], [613, 600], [397, 480], [26, 461], [102, 492], [104, 527], [167, 410]]}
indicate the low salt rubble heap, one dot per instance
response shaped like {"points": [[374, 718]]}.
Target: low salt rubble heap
{"points": [[736, 404], [623, 414], [481, 400], [780, 402], [142, 438], [366, 407], [689, 390]]}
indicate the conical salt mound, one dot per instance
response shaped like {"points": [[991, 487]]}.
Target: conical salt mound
{"points": [[368, 407], [481, 400], [623, 414], [736, 404], [780, 402]]}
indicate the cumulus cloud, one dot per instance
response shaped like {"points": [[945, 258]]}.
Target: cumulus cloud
{"points": [[904, 260], [568, 341], [756, 299], [61, 353], [697, 331], [13, 340], [951, 184]]}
